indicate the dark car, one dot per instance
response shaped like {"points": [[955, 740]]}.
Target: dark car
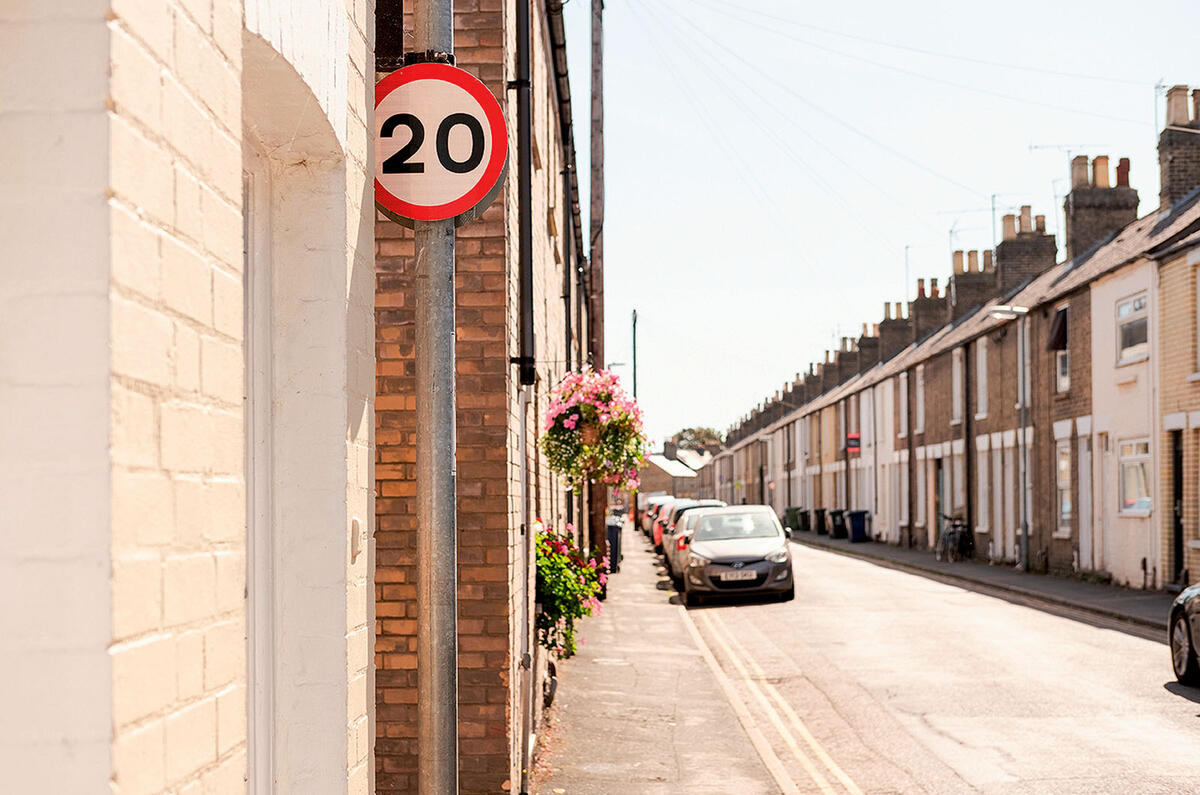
{"points": [[737, 550], [1181, 634]]}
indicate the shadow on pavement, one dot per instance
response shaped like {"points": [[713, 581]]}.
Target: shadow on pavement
{"points": [[1183, 691]]}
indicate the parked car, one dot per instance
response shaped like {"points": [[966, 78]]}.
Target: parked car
{"points": [[736, 550], [653, 504], [663, 518], [674, 525], [1182, 630], [675, 546], [645, 503]]}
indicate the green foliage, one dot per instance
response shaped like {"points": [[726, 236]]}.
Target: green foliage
{"points": [[593, 430], [566, 591], [698, 439]]}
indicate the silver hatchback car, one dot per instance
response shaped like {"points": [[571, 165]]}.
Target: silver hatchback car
{"points": [[736, 550]]}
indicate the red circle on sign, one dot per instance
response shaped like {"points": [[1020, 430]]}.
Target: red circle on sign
{"points": [[495, 119]]}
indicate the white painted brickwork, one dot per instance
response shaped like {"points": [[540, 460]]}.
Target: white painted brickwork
{"points": [[122, 448]]}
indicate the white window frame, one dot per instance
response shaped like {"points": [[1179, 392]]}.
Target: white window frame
{"points": [[1062, 382], [981, 378], [1134, 457], [1136, 314], [903, 405], [958, 490], [919, 420], [956, 386], [1062, 486]]}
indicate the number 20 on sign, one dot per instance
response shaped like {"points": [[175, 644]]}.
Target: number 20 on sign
{"points": [[441, 146]]}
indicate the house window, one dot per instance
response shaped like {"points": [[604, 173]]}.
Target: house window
{"points": [[1133, 342], [903, 404], [1134, 463], [981, 378], [956, 386], [1057, 343], [1063, 484], [1062, 371], [919, 420]]}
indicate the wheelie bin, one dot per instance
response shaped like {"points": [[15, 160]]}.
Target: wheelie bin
{"points": [[858, 527], [837, 522]]}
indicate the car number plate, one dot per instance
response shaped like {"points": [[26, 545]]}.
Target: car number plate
{"points": [[743, 574]]}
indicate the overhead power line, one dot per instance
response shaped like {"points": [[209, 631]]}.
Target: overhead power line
{"points": [[934, 53]]}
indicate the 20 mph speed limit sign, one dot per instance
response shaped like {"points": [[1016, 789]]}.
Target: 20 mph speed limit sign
{"points": [[441, 148]]}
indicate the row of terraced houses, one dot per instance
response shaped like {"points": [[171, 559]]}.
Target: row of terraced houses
{"points": [[937, 410]]}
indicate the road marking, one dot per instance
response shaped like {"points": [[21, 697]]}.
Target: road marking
{"points": [[772, 715], [817, 749], [765, 752]]}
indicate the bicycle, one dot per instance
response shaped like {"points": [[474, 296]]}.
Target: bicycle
{"points": [[956, 541]]}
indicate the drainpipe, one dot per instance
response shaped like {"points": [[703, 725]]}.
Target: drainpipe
{"points": [[526, 358], [567, 264], [527, 731]]}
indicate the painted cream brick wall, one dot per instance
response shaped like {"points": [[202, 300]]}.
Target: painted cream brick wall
{"points": [[178, 518]]}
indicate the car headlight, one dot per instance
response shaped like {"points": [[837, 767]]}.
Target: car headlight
{"points": [[697, 560], [778, 556]]}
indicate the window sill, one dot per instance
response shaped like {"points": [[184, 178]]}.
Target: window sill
{"points": [[1063, 395], [955, 423], [1134, 360], [1061, 533], [982, 416], [1134, 514], [1194, 543], [1193, 378]]}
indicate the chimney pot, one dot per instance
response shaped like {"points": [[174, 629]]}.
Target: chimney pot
{"points": [[864, 331], [987, 261], [874, 329], [1009, 222], [899, 312], [1079, 171], [1123, 172], [1100, 171], [1026, 218], [1196, 104], [1177, 109], [973, 262], [933, 288], [1039, 222], [887, 310], [920, 288], [958, 262]]}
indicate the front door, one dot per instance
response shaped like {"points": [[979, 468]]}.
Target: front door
{"points": [[1177, 506], [939, 495], [1086, 537]]}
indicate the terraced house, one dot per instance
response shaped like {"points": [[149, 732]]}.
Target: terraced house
{"points": [[1061, 395]]}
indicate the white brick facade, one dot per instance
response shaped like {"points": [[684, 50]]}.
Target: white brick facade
{"points": [[123, 438]]}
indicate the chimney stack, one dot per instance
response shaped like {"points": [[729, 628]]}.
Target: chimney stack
{"points": [[1096, 210], [1079, 172], [1024, 255], [970, 287], [1179, 148]]}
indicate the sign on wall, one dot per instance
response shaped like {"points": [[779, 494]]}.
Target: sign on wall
{"points": [[441, 145]]}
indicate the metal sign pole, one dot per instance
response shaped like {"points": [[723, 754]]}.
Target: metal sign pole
{"points": [[437, 532]]}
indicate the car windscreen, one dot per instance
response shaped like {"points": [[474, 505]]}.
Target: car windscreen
{"points": [[725, 526]]}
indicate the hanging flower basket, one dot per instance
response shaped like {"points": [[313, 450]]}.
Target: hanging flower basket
{"points": [[593, 430], [568, 585]]}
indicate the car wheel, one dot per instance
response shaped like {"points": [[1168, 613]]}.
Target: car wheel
{"points": [[1183, 655]]}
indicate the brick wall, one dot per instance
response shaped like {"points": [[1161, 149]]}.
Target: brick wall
{"points": [[492, 583], [178, 503], [1177, 311]]}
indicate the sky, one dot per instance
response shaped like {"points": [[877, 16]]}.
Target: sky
{"points": [[771, 165]]}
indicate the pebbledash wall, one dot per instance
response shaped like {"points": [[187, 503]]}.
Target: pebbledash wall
{"points": [[498, 428], [185, 308]]}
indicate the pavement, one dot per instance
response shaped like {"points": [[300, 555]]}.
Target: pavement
{"points": [[638, 709], [876, 678], [1140, 608]]}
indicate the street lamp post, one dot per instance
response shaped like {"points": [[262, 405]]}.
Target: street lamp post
{"points": [[1011, 312]]}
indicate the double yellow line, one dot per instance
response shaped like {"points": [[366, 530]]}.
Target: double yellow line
{"points": [[774, 706]]}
